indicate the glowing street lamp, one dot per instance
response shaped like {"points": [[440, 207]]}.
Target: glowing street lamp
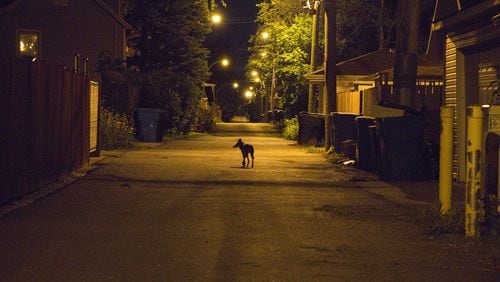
{"points": [[264, 35], [248, 94], [224, 62], [236, 85], [254, 73], [216, 18]]}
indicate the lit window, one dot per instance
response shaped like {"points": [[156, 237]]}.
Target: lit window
{"points": [[28, 43]]}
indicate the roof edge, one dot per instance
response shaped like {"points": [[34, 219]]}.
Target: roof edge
{"points": [[113, 14]]}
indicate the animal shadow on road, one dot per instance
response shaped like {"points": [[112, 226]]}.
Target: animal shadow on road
{"points": [[240, 167]]}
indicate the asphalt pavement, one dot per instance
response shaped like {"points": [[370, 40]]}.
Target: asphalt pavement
{"points": [[184, 210]]}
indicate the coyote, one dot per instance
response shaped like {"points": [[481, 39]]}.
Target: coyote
{"points": [[245, 150]]}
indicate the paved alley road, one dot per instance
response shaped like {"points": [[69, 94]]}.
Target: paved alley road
{"points": [[185, 211]]}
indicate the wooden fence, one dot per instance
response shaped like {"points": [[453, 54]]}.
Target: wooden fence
{"points": [[349, 102], [44, 125]]}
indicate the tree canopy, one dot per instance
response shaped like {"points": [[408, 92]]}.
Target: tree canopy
{"points": [[168, 52], [363, 26]]}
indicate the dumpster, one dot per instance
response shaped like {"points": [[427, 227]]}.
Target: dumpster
{"points": [[403, 155], [147, 122], [364, 147], [311, 129], [343, 128]]}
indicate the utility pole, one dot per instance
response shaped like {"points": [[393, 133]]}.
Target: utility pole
{"points": [[314, 51], [380, 25], [405, 65], [330, 97], [273, 87]]}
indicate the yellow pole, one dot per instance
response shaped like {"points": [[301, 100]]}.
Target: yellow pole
{"points": [[473, 168], [446, 159]]}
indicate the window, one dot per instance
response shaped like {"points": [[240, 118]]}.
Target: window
{"points": [[28, 43]]}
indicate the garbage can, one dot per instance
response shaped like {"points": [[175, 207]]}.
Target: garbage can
{"points": [[311, 129], [403, 153], [343, 128], [147, 122], [363, 147]]}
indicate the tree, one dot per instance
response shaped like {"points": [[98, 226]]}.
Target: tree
{"points": [[361, 24], [287, 52], [168, 49]]}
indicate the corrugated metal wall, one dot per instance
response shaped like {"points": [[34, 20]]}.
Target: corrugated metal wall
{"points": [[450, 94]]}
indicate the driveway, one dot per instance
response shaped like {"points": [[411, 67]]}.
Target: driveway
{"points": [[185, 211]]}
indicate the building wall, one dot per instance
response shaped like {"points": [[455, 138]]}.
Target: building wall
{"points": [[464, 55], [66, 27]]}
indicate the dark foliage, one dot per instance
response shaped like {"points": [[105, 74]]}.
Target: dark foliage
{"points": [[168, 52]]}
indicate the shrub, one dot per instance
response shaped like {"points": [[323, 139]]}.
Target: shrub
{"points": [[206, 121], [117, 130], [291, 129], [435, 224]]}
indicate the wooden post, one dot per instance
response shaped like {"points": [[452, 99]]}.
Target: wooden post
{"points": [[405, 65], [314, 50], [380, 25], [330, 103]]}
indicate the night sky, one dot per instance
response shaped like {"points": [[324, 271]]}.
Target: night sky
{"points": [[230, 39]]}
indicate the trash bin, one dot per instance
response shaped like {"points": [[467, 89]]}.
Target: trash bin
{"points": [[311, 129], [270, 116], [363, 147], [402, 150], [147, 122], [343, 128]]}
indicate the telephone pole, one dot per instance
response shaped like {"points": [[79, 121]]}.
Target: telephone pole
{"points": [[330, 97], [314, 51], [405, 65]]}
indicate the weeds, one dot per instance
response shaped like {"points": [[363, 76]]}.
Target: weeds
{"points": [[291, 129], [435, 224], [315, 150], [187, 136], [206, 121], [117, 130], [335, 157]]}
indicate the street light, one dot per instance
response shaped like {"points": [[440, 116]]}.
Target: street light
{"points": [[249, 94], [224, 62], [264, 35], [216, 18], [235, 85]]}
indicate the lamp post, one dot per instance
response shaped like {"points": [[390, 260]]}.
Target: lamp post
{"points": [[249, 95], [224, 62], [313, 8], [235, 85], [330, 103]]}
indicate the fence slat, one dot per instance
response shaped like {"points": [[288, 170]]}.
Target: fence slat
{"points": [[44, 120]]}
